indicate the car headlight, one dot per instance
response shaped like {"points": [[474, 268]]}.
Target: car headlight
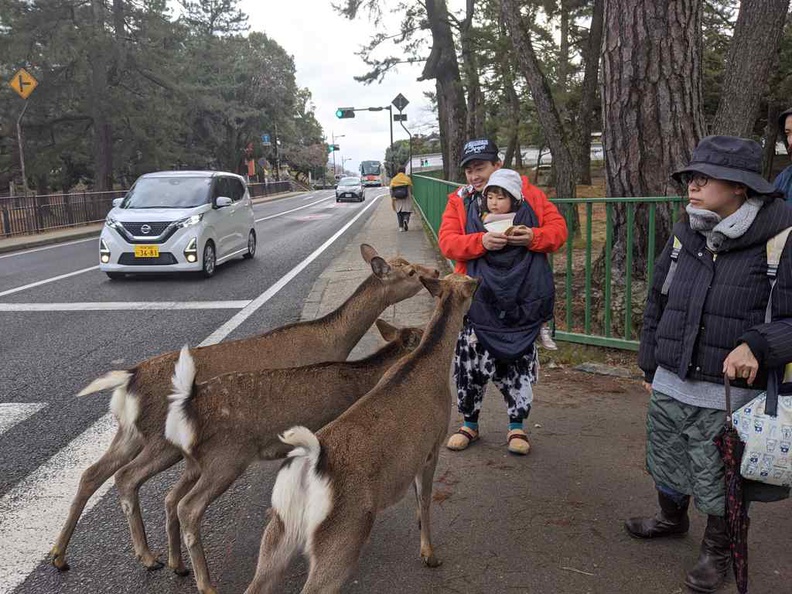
{"points": [[189, 221], [112, 223]]}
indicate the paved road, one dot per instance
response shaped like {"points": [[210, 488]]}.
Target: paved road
{"points": [[64, 323]]}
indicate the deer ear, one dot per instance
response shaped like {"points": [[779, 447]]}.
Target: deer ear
{"points": [[367, 252], [388, 331], [433, 285], [471, 285], [380, 267]]}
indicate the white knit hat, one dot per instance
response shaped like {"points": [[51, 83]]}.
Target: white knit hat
{"points": [[507, 179]]}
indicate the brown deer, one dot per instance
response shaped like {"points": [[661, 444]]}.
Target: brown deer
{"points": [[227, 422], [139, 449], [335, 482]]}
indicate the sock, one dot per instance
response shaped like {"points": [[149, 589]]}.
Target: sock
{"points": [[471, 422], [513, 426]]}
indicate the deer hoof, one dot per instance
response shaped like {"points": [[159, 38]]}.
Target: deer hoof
{"points": [[154, 565], [180, 570], [58, 561], [432, 561]]}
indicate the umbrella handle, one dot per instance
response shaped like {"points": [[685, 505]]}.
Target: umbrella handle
{"points": [[727, 386]]}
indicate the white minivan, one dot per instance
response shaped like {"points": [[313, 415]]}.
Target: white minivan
{"points": [[173, 221]]}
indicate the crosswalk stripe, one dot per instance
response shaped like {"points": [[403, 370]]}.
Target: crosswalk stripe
{"points": [[124, 306], [13, 413], [31, 513]]}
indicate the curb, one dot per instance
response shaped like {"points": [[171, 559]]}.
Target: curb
{"points": [[94, 229]]}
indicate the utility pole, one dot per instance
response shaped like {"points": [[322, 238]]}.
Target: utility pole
{"points": [[277, 154]]}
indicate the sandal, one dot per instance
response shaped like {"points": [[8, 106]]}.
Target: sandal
{"points": [[518, 442], [462, 438]]}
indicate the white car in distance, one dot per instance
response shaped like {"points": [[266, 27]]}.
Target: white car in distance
{"points": [[178, 221]]}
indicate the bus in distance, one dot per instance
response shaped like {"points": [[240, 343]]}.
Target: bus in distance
{"points": [[371, 172]]}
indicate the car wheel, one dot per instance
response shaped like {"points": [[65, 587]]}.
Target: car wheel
{"points": [[209, 260], [251, 245], [115, 275], [338, 199]]}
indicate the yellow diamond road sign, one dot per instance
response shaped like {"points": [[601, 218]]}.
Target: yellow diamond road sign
{"points": [[23, 83]]}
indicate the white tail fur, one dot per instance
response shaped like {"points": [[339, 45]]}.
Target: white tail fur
{"points": [[301, 496], [178, 428], [113, 379], [123, 404]]}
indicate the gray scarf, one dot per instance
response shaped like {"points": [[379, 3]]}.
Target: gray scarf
{"points": [[716, 229]]}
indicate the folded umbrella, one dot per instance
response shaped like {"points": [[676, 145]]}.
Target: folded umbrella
{"points": [[731, 449]]}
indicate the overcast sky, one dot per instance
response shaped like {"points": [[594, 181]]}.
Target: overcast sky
{"points": [[324, 46]]}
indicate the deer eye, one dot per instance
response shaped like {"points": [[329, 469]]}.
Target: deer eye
{"points": [[411, 273]]}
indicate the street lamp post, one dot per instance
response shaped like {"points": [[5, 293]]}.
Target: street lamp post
{"points": [[334, 161]]}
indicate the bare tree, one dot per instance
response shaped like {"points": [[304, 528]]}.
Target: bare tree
{"points": [[651, 105], [752, 54], [588, 95], [475, 99]]}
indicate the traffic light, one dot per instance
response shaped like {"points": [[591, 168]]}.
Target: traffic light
{"points": [[333, 147], [345, 112]]}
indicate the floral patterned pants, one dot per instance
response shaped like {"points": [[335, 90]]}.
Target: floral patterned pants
{"points": [[474, 367]]}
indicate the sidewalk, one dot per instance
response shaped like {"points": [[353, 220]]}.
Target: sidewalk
{"points": [[547, 523], [24, 242]]}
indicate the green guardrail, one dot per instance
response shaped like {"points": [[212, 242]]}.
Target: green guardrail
{"points": [[595, 311]]}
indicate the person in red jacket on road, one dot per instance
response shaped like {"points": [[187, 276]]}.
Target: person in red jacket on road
{"points": [[480, 159]]}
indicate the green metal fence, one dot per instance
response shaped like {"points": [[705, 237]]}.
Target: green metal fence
{"points": [[592, 308]]}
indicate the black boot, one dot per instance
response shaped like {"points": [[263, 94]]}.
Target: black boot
{"points": [[714, 559], [671, 521]]}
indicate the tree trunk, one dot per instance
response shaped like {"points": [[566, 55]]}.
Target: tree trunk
{"points": [[588, 94], [513, 101], [443, 67], [475, 98], [547, 112], [752, 53], [102, 133], [770, 138], [652, 110]]}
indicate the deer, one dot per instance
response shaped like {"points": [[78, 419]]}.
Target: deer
{"points": [[224, 424], [139, 402], [335, 481]]}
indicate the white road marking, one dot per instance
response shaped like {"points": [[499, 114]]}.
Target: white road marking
{"points": [[32, 512], [124, 305], [280, 214], [232, 324], [47, 280], [14, 413], [48, 247]]}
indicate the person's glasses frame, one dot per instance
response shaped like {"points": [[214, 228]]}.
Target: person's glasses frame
{"points": [[697, 179]]}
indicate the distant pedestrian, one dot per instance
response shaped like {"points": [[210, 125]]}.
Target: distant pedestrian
{"points": [[499, 228], [401, 198], [783, 182], [705, 317]]}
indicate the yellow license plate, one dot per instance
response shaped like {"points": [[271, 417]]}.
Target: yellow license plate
{"points": [[146, 251]]}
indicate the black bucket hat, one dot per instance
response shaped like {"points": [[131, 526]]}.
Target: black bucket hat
{"points": [[729, 158]]}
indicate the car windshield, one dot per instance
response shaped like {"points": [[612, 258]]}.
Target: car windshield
{"points": [[349, 181], [168, 192], [370, 168]]}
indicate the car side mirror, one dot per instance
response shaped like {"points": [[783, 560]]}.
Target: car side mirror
{"points": [[222, 201], [117, 202]]}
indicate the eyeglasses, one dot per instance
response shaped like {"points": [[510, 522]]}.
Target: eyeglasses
{"points": [[697, 179]]}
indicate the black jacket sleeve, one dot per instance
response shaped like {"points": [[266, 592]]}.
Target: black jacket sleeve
{"points": [[653, 311], [771, 343]]}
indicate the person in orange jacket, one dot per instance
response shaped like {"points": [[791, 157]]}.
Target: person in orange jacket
{"points": [[480, 159]]}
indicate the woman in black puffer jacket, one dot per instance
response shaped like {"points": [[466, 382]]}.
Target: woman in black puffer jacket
{"points": [[705, 317]]}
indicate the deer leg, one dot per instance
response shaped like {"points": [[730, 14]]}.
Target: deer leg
{"points": [[423, 492], [336, 550], [156, 456], [216, 477], [186, 482], [124, 447], [276, 550]]}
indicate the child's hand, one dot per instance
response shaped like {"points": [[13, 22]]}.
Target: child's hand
{"points": [[521, 236], [494, 241]]}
